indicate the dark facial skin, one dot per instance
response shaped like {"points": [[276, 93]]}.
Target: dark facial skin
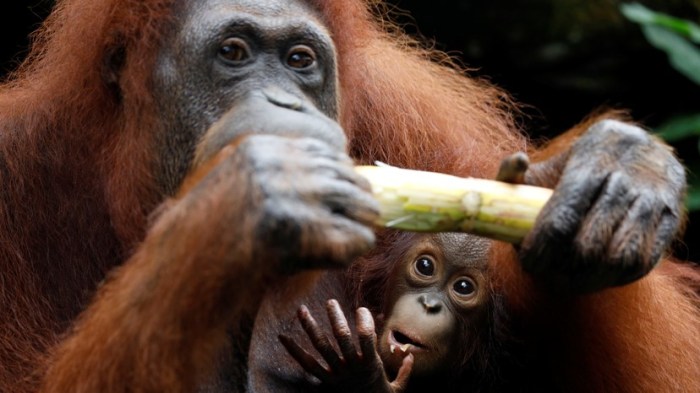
{"points": [[245, 67], [437, 295]]}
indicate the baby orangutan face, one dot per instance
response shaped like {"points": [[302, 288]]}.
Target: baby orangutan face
{"points": [[436, 296], [436, 302]]}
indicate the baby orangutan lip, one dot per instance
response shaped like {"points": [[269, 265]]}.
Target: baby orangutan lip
{"points": [[401, 342]]}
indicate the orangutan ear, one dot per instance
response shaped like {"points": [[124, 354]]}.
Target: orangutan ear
{"points": [[112, 67]]}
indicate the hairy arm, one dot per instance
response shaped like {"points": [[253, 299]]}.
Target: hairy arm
{"points": [[266, 206], [623, 317]]}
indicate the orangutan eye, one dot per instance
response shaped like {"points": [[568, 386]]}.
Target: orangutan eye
{"points": [[301, 57], [425, 266], [464, 287], [234, 50]]}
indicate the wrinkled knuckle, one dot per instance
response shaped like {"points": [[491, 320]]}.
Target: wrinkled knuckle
{"points": [[365, 328], [343, 332], [279, 221], [671, 216], [357, 234], [584, 249], [275, 209], [372, 210], [367, 240], [364, 184], [247, 148], [344, 158], [364, 210], [534, 256], [620, 129], [365, 331], [618, 179], [558, 224], [324, 344], [633, 269], [313, 145], [675, 171], [255, 142], [630, 262], [655, 256]]}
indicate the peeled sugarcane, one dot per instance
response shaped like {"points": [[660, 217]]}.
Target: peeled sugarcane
{"points": [[434, 202]]}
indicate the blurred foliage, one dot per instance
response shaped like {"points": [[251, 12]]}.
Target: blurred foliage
{"points": [[565, 58], [677, 38]]}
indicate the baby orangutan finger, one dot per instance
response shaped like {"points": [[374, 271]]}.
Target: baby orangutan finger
{"points": [[342, 331], [401, 382], [305, 360], [366, 334], [318, 339]]}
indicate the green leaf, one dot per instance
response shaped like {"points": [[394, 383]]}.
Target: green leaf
{"points": [[670, 35], [680, 127], [693, 199], [644, 16], [638, 13], [683, 55]]}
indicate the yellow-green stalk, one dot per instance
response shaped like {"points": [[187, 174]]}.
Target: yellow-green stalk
{"points": [[434, 202]]}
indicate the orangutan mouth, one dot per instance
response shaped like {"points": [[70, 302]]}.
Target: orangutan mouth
{"points": [[403, 343]]}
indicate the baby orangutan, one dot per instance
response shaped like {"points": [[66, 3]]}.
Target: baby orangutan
{"points": [[436, 320]]}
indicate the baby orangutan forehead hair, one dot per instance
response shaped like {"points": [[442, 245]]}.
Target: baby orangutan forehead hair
{"points": [[463, 249]]}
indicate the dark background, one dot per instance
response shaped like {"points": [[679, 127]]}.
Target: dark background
{"points": [[561, 58]]}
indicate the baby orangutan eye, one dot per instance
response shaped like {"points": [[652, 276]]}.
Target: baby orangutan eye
{"points": [[425, 266], [464, 287]]}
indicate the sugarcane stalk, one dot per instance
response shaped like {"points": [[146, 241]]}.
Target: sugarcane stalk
{"points": [[434, 202]]}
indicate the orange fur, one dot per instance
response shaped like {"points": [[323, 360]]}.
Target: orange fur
{"points": [[76, 172], [392, 89], [638, 338]]}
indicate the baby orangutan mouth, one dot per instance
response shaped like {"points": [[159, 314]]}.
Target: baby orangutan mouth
{"points": [[402, 342]]}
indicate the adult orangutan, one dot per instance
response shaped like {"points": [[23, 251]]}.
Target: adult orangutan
{"points": [[167, 166]]}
